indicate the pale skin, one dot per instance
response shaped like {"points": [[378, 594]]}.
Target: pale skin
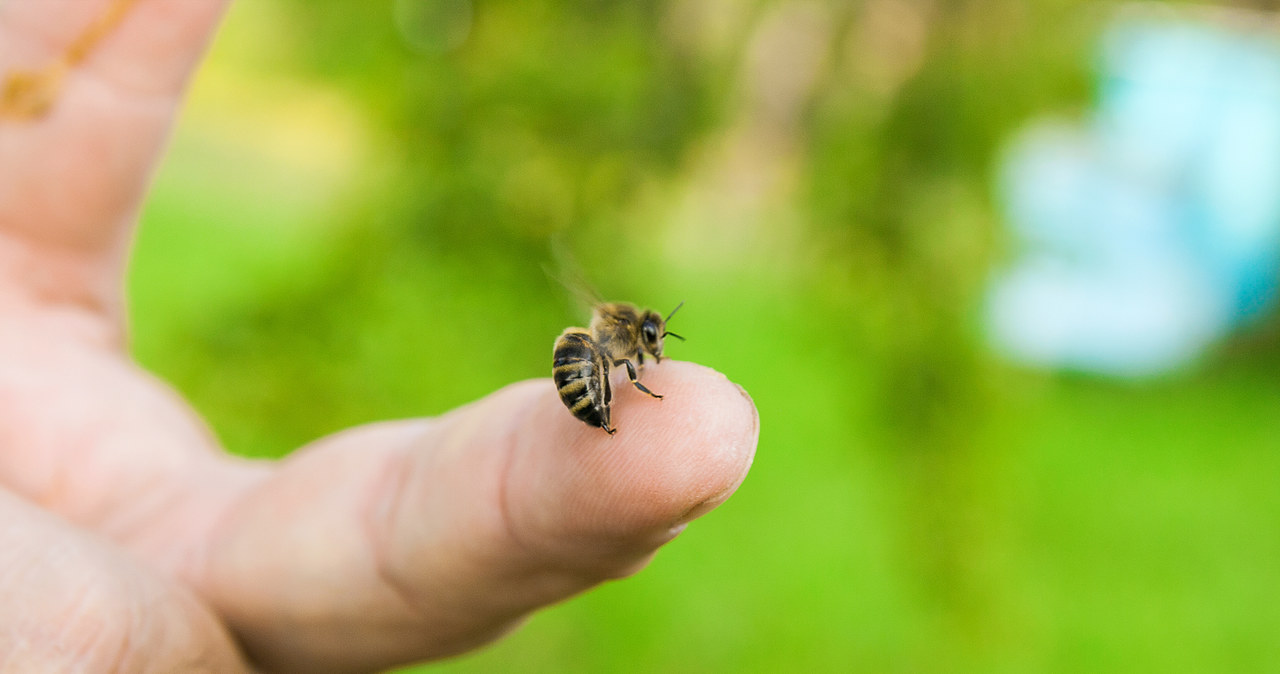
{"points": [[131, 541]]}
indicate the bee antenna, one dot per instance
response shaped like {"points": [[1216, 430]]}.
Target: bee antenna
{"points": [[672, 334], [673, 313]]}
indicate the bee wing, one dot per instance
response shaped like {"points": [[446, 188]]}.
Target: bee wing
{"points": [[565, 270]]}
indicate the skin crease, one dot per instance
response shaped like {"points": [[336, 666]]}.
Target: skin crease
{"points": [[130, 541]]}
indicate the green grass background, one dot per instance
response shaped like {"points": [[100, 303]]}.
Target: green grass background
{"points": [[353, 222]]}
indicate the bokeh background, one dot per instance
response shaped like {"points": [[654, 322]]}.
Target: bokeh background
{"points": [[355, 220]]}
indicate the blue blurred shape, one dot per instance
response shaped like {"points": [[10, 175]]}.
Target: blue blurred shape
{"points": [[1150, 231]]}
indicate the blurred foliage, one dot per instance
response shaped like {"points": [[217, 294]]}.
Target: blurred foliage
{"points": [[353, 224]]}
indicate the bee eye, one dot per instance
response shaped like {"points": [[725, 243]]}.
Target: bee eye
{"points": [[650, 332]]}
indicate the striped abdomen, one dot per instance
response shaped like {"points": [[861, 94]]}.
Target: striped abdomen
{"points": [[582, 378]]}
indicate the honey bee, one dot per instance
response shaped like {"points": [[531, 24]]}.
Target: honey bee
{"points": [[619, 335]]}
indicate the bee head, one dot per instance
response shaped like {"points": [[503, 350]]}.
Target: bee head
{"points": [[653, 328]]}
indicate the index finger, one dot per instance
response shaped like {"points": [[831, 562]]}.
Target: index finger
{"points": [[73, 176]]}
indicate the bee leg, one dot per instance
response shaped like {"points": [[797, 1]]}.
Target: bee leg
{"points": [[631, 374], [609, 429]]}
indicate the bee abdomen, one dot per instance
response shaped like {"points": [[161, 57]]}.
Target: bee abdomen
{"points": [[573, 347], [582, 378]]}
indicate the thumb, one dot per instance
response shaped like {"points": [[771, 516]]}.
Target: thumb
{"points": [[423, 539]]}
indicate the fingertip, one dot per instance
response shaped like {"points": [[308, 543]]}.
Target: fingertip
{"points": [[671, 460], [697, 444]]}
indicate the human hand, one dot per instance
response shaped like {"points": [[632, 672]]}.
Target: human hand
{"points": [[131, 541]]}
